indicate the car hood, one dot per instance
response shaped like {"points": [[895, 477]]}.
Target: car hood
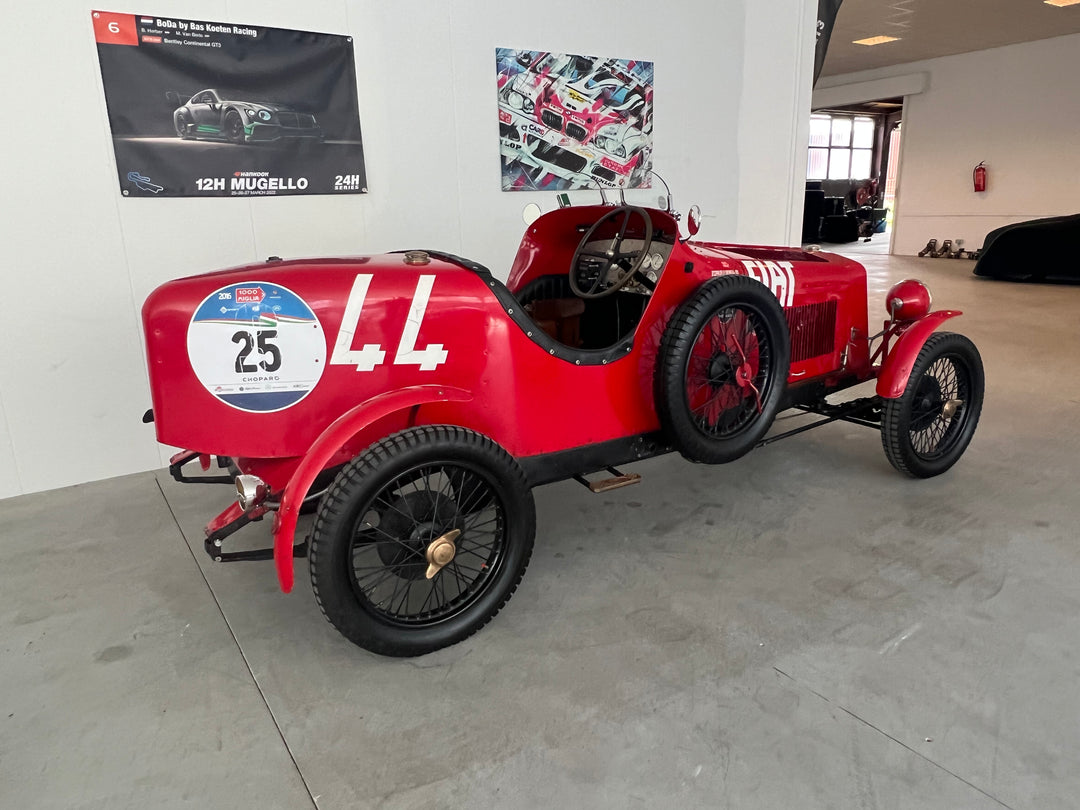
{"points": [[270, 106]]}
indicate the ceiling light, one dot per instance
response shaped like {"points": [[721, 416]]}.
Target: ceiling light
{"points": [[1060, 3], [882, 40]]}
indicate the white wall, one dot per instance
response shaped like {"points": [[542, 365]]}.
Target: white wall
{"points": [[1015, 108], [774, 124], [79, 259]]}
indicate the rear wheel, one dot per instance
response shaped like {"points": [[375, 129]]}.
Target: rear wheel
{"points": [[926, 430], [721, 369], [421, 540]]}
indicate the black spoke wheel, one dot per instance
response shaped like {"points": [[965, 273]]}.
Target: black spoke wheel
{"points": [[926, 430], [234, 127], [722, 368], [421, 540]]}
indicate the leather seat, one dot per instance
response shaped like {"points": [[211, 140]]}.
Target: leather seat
{"points": [[560, 318]]}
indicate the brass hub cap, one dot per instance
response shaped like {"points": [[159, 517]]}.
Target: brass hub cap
{"points": [[440, 552], [950, 408]]}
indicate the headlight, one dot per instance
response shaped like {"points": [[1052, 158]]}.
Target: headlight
{"points": [[600, 141], [250, 491], [908, 300], [264, 115], [620, 151], [250, 114], [528, 106]]}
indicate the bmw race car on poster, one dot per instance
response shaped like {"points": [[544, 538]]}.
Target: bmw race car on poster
{"points": [[210, 116], [413, 400], [601, 101], [583, 120], [538, 154]]}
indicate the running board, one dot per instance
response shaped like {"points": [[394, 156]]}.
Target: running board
{"points": [[619, 480]]}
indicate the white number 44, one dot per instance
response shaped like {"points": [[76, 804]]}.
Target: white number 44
{"points": [[372, 354]]}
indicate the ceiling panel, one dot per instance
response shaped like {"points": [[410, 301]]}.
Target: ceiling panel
{"points": [[929, 28]]}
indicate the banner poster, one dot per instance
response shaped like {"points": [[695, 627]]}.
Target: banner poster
{"points": [[569, 121], [207, 109], [826, 18]]}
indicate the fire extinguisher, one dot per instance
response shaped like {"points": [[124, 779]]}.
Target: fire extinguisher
{"points": [[978, 177]]}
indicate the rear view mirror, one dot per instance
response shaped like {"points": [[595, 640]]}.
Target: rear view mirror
{"points": [[173, 98], [693, 220]]}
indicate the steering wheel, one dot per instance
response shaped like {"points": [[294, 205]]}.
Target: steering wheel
{"points": [[615, 267]]}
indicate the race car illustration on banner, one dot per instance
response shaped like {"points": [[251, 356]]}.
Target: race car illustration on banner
{"points": [[568, 121], [200, 108], [210, 114]]}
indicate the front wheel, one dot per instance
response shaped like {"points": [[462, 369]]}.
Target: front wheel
{"points": [[234, 127], [421, 540], [927, 428], [183, 126]]}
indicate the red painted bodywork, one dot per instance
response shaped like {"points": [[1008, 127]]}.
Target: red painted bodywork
{"points": [[495, 378], [353, 423], [894, 372]]}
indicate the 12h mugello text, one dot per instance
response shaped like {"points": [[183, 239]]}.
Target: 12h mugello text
{"points": [[244, 183]]}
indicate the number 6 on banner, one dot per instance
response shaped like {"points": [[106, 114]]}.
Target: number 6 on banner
{"points": [[372, 354]]}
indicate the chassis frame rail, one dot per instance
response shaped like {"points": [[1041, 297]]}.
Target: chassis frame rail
{"points": [[865, 411]]}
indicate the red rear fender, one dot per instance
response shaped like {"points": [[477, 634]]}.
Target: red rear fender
{"points": [[328, 444], [893, 377]]}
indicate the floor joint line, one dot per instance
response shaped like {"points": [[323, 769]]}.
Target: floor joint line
{"points": [[236, 641], [925, 758], [903, 745]]}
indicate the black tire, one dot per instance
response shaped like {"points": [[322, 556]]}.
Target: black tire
{"points": [[920, 440], [182, 127], [692, 365], [321, 483], [234, 127], [388, 506]]}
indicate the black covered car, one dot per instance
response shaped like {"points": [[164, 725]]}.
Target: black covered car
{"points": [[1036, 250]]}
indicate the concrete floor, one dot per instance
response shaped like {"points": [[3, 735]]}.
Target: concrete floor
{"points": [[802, 629], [877, 246]]}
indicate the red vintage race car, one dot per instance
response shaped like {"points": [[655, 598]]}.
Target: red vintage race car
{"points": [[415, 400]]}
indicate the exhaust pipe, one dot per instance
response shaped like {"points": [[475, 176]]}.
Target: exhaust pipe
{"points": [[250, 491]]}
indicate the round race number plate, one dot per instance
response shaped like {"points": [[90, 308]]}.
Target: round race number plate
{"points": [[256, 346]]}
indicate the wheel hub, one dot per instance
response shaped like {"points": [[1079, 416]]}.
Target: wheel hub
{"points": [[719, 372], [744, 376], [928, 402], [412, 522], [440, 552]]}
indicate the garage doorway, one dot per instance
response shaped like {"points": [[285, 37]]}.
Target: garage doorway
{"points": [[852, 177]]}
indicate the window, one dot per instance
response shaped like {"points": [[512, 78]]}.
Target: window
{"points": [[841, 147]]}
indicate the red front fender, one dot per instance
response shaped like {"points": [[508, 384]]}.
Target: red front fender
{"points": [[329, 443], [895, 370]]}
